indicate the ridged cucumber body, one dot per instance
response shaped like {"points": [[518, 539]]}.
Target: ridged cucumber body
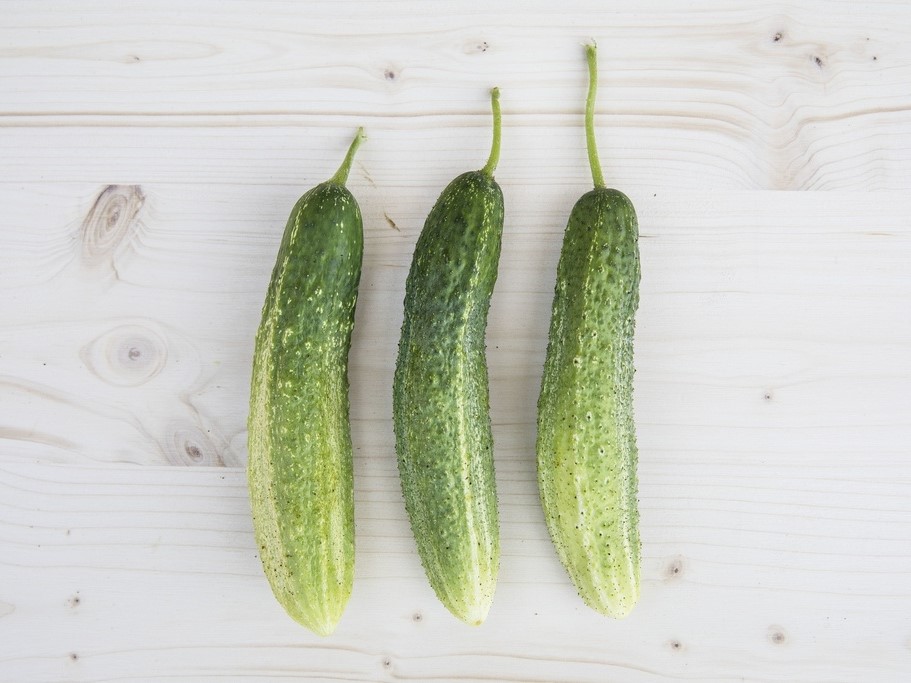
{"points": [[440, 396], [300, 458], [586, 442]]}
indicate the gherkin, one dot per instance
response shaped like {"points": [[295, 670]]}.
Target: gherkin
{"points": [[440, 394], [586, 443], [300, 466]]}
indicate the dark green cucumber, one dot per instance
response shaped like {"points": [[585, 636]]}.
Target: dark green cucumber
{"points": [[440, 395], [586, 435], [300, 467]]}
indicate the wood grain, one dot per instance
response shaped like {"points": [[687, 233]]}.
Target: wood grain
{"points": [[149, 155]]}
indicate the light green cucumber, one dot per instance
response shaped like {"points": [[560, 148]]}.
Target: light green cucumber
{"points": [[300, 466], [586, 444], [440, 395]]}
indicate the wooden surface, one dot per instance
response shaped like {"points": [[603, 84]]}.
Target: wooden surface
{"points": [[149, 155]]}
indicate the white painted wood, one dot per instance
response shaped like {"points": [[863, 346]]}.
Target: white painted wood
{"points": [[143, 204]]}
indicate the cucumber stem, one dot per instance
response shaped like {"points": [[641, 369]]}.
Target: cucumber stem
{"points": [[341, 175], [494, 157], [591, 53]]}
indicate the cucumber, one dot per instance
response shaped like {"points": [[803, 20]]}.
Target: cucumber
{"points": [[586, 443], [300, 459], [440, 394]]}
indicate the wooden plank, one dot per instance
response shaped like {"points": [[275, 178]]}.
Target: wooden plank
{"points": [[136, 347], [853, 150], [120, 573], [742, 60]]}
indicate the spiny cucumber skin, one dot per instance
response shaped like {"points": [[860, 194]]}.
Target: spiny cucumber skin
{"points": [[300, 457], [440, 396], [586, 442]]}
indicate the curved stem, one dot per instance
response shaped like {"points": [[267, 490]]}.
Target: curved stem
{"points": [[491, 164], [341, 175], [591, 52]]}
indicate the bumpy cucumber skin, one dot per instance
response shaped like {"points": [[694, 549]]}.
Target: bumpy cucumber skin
{"points": [[300, 458], [440, 396], [586, 443]]}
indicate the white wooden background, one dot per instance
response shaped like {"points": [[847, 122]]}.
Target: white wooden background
{"points": [[149, 155]]}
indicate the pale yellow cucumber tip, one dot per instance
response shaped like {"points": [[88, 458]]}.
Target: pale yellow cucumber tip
{"points": [[615, 609], [473, 615], [323, 625], [322, 629]]}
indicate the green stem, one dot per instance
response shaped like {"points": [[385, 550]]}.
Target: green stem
{"points": [[341, 175], [494, 157], [591, 52]]}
